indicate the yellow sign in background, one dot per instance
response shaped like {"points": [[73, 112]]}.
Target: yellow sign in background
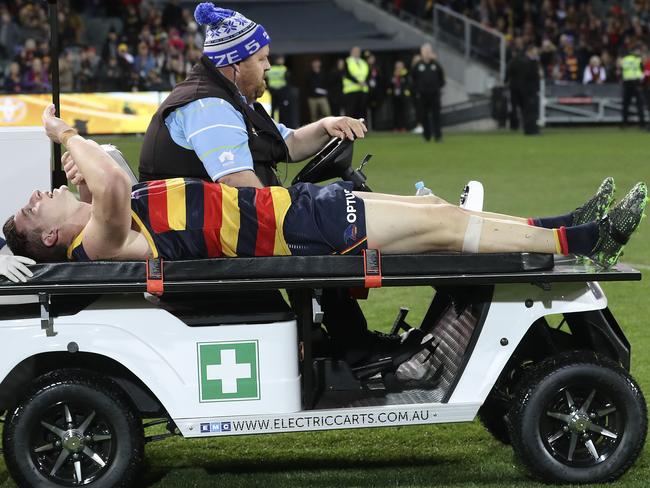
{"points": [[91, 113]]}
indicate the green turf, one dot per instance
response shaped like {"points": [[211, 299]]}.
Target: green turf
{"points": [[523, 176]]}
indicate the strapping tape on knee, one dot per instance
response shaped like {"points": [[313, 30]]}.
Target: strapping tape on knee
{"points": [[473, 234]]}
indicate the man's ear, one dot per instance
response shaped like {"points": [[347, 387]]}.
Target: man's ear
{"points": [[235, 67], [50, 238]]}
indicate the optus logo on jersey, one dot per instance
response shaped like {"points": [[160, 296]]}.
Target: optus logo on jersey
{"points": [[350, 203]]}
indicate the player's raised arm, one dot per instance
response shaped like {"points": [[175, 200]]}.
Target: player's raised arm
{"points": [[107, 230]]}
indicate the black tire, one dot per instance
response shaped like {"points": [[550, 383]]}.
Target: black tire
{"points": [[492, 415], [113, 434], [578, 418]]}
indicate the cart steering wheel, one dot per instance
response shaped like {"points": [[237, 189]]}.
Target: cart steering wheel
{"points": [[332, 161]]}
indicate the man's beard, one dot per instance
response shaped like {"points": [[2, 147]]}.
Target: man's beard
{"points": [[260, 89]]}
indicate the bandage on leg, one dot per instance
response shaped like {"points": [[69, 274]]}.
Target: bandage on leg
{"points": [[472, 239]]}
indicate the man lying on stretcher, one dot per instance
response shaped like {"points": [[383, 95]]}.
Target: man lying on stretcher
{"points": [[187, 218]]}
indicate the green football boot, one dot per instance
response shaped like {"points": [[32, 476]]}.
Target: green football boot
{"points": [[597, 206], [615, 229]]}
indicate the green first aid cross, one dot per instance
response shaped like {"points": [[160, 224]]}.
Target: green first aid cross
{"points": [[228, 371]]}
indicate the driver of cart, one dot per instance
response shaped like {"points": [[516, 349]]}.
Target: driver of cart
{"points": [[210, 127], [187, 218]]}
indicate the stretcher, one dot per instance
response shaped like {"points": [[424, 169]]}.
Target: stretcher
{"points": [[518, 339]]}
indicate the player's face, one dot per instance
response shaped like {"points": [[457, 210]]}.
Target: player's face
{"points": [[45, 210], [250, 79]]}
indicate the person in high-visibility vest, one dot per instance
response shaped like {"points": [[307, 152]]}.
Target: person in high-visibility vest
{"points": [[277, 80], [632, 73], [355, 84]]}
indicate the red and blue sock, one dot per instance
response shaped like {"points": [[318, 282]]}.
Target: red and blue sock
{"points": [[580, 239], [552, 222]]}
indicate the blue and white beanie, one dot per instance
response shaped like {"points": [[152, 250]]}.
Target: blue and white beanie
{"points": [[230, 37]]}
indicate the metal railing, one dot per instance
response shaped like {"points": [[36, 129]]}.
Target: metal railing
{"points": [[474, 40]]}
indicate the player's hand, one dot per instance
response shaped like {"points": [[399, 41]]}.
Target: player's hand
{"points": [[13, 267], [54, 126], [72, 172], [345, 127]]}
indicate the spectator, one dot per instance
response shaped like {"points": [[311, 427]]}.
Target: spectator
{"points": [[110, 45], [570, 63], [175, 69], [172, 15], [132, 24], [193, 37], [428, 81], [66, 73], [14, 79], [594, 72], [111, 76], [400, 93], [335, 91], [376, 88], [34, 22], [611, 71], [125, 58], [143, 63], [89, 73], [10, 36], [319, 106], [35, 78]]}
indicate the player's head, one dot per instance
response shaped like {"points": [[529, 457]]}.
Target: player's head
{"points": [[232, 41], [35, 230]]}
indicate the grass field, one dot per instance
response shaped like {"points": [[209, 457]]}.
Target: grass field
{"points": [[522, 176]]}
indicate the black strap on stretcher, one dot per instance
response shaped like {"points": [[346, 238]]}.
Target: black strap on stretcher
{"points": [[155, 276], [371, 271]]}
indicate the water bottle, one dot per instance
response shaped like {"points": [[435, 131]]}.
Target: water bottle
{"points": [[421, 190]]}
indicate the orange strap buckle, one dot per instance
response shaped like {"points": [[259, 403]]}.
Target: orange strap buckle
{"points": [[155, 280], [372, 268]]}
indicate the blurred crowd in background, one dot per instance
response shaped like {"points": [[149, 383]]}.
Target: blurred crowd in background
{"points": [[106, 46], [146, 45], [574, 37]]}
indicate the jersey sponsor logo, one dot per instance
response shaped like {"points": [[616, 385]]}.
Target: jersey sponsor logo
{"points": [[228, 371], [350, 206], [226, 156]]}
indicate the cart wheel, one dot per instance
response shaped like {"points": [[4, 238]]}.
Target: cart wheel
{"points": [[72, 429], [580, 418]]}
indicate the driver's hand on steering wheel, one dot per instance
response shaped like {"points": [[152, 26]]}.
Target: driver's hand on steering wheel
{"points": [[345, 127]]}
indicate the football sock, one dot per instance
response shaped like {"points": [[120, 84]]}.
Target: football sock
{"points": [[580, 239], [552, 222]]}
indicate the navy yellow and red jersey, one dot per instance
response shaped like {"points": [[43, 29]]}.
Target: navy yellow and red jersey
{"points": [[185, 218]]}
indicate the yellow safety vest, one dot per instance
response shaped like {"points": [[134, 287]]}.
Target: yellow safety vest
{"points": [[360, 70], [277, 77], [631, 65]]}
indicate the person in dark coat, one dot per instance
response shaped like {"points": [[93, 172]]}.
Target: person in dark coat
{"points": [[523, 75], [428, 81]]}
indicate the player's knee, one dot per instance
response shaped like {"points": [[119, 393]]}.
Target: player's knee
{"points": [[448, 223]]}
